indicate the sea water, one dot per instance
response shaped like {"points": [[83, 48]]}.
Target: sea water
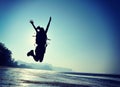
{"points": [[19, 77]]}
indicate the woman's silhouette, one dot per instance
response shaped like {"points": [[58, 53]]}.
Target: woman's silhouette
{"points": [[41, 38]]}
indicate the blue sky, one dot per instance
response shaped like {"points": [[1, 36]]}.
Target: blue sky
{"points": [[82, 32]]}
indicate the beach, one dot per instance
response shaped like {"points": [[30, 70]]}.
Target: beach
{"points": [[19, 77]]}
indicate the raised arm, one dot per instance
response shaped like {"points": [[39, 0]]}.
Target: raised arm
{"points": [[33, 25], [48, 25]]}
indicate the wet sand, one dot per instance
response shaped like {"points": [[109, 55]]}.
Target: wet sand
{"points": [[18, 77]]}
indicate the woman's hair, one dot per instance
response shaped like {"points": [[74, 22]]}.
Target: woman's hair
{"points": [[38, 27], [41, 29]]}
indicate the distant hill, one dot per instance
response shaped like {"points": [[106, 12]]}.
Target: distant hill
{"points": [[44, 66]]}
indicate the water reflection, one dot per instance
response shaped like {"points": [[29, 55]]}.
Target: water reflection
{"points": [[14, 77], [8, 77], [17, 77]]}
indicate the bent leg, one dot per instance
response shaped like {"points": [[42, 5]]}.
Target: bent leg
{"points": [[40, 53], [31, 53], [41, 58]]}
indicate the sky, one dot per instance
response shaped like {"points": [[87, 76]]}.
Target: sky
{"points": [[84, 33]]}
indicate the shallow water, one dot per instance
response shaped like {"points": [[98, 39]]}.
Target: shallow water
{"points": [[18, 77]]}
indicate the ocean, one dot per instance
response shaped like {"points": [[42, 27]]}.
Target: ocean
{"points": [[19, 77]]}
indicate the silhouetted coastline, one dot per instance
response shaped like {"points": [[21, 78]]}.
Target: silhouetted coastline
{"points": [[6, 59]]}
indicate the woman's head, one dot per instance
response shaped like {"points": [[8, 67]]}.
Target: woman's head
{"points": [[40, 29]]}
